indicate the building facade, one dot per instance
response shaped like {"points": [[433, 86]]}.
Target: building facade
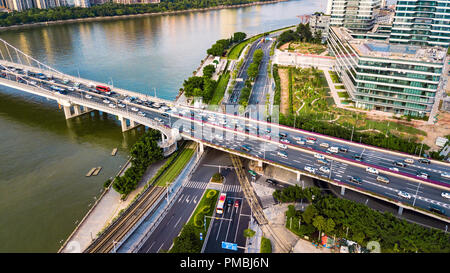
{"points": [[422, 22], [320, 22], [82, 3], [21, 5], [401, 79], [136, 1], [356, 15]]}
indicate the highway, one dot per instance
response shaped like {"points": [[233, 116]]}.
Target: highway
{"points": [[263, 139]]}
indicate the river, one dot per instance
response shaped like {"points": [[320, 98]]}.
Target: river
{"points": [[44, 158]]}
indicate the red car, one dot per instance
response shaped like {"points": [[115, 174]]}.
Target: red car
{"points": [[312, 138]]}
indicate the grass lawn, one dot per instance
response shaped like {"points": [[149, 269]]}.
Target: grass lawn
{"points": [[335, 77], [174, 170], [220, 89], [205, 207], [343, 95], [266, 245], [304, 48], [339, 87]]}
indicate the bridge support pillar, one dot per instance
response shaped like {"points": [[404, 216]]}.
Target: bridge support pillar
{"points": [[342, 190], [400, 211], [123, 123], [298, 176], [67, 112], [132, 123], [77, 110], [260, 163]]}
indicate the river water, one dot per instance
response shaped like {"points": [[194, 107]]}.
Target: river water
{"points": [[44, 158]]}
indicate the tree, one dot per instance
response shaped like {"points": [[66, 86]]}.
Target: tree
{"points": [[309, 213], [188, 241], [248, 233], [209, 70], [191, 83], [329, 226], [253, 70], [216, 50], [239, 36], [319, 223]]}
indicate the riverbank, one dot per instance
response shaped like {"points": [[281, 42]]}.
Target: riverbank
{"points": [[119, 17]]}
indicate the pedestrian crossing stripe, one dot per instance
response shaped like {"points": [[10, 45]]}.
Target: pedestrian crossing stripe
{"points": [[203, 185]]}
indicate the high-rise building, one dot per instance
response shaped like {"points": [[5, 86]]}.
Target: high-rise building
{"points": [[397, 78], [319, 22], [356, 15], [136, 1], [82, 3], [422, 22], [19, 5]]}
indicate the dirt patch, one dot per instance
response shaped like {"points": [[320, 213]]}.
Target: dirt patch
{"points": [[284, 98]]}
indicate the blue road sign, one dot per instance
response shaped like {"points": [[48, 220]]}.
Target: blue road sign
{"points": [[229, 246]]}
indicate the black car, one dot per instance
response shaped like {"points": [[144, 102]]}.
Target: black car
{"points": [[282, 135], [424, 161], [343, 149], [272, 182], [399, 163], [358, 157], [355, 179]]}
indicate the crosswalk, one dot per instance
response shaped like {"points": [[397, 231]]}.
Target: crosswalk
{"points": [[204, 185]]}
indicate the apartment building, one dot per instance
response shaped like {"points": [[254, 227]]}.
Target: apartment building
{"points": [[355, 15]]}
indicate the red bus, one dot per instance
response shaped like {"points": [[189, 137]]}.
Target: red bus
{"points": [[102, 88], [219, 209]]}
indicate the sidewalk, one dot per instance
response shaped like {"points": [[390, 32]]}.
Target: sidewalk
{"points": [[333, 90], [106, 210]]}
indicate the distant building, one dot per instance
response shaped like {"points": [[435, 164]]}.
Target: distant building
{"points": [[21, 5], [401, 79], [82, 3], [320, 22], [136, 1], [355, 15]]}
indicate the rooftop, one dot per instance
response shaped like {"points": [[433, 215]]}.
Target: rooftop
{"points": [[381, 49]]}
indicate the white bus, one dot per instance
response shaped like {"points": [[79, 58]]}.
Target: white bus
{"points": [[220, 205]]}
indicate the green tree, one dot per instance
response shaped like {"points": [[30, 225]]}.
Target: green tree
{"points": [[320, 224], [239, 36], [209, 70]]}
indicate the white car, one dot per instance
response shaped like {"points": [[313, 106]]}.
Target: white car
{"points": [[409, 160], [371, 170], [324, 169], [88, 96], [158, 119], [446, 195], [404, 194], [446, 175], [297, 138], [319, 156], [33, 82], [121, 105], [310, 169], [301, 142], [282, 146], [112, 105], [186, 130], [310, 141], [142, 114], [219, 137], [106, 101], [282, 154], [324, 144], [394, 169], [285, 140], [134, 109]]}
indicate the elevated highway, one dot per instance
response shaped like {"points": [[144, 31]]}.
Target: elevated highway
{"points": [[298, 151]]}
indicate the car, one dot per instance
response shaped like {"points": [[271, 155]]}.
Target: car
{"points": [[310, 141], [310, 169], [71, 89], [409, 160], [383, 179], [371, 170], [297, 138], [343, 149], [271, 181], [121, 105], [394, 169], [301, 142], [322, 161], [285, 140], [399, 163], [422, 174], [319, 156], [229, 202], [358, 157], [142, 114], [282, 154], [33, 82], [436, 209], [282, 135], [324, 169], [324, 144], [333, 150], [445, 175], [424, 161], [88, 96], [134, 109], [112, 105], [106, 101], [237, 203], [186, 130], [282, 146], [445, 195], [158, 119], [355, 179], [246, 148], [219, 137], [311, 138], [404, 194]]}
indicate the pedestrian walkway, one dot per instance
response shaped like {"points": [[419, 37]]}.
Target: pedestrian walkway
{"points": [[333, 90], [214, 186]]}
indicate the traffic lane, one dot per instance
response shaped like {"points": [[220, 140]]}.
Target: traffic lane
{"points": [[170, 227]]}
